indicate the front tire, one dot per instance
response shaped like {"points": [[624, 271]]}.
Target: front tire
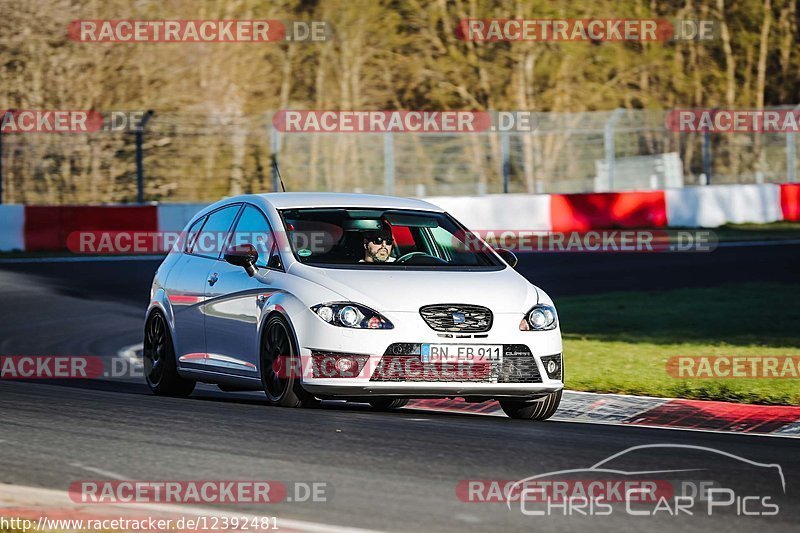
{"points": [[158, 357], [278, 352], [540, 409]]}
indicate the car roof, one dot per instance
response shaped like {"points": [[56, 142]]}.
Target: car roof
{"points": [[284, 200]]}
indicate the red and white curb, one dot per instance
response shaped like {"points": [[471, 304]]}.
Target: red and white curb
{"points": [[672, 413]]}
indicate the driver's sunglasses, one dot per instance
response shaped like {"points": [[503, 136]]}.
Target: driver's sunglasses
{"points": [[377, 241]]}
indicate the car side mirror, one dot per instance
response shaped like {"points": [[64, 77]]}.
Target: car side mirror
{"points": [[243, 255], [508, 256]]}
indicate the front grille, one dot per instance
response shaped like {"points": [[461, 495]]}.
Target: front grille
{"points": [[401, 363], [519, 365], [457, 318], [410, 368]]}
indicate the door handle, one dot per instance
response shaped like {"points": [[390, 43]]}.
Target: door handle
{"points": [[213, 278]]}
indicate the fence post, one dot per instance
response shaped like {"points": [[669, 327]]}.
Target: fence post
{"points": [[707, 149], [505, 161], [139, 133], [791, 153], [275, 147], [388, 162], [707, 155], [608, 143]]}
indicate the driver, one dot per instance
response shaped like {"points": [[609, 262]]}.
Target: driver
{"points": [[378, 247]]}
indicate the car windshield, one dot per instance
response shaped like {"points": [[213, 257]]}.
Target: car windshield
{"points": [[383, 238]]}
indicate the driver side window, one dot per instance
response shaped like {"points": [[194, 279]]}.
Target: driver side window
{"points": [[253, 228]]}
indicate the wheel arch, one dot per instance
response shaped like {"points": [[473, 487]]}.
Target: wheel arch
{"points": [[281, 312], [160, 303]]}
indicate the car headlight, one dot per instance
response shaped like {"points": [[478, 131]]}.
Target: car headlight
{"points": [[350, 315], [541, 318]]}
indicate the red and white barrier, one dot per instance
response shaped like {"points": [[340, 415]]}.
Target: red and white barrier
{"points": [[695, 207], [709, 207], [583, 212], [790, 201], [46, 228], [499, 211]]}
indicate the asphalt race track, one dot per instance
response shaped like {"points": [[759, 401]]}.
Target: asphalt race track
{"points": [[385, 471]]}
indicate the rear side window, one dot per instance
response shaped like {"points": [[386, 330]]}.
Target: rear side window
{"points": [[191, 235], [213, 238], [254, 229]]}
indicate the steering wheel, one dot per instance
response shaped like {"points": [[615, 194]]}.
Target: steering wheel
{"points": [[405, 258]]}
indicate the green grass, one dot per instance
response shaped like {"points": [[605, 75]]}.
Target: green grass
{"points": [[620, 342]]}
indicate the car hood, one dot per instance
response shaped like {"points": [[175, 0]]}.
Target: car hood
{"points": [[502, 291]]}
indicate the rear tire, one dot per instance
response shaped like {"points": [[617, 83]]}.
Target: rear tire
{"points": [[158, 357], [387, 404], [278, 351], [539, 409]]}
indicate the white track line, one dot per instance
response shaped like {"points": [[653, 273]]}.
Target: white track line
{"points": [[100, 472], [130, 353]]}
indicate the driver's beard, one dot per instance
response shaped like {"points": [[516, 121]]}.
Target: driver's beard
{"points": [[377, 259]]}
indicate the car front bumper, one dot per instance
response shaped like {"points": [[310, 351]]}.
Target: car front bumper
{"points": [[339, 388], [521, 350]]}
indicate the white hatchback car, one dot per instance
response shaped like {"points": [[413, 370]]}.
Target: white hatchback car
{"points": [[376, 299]]}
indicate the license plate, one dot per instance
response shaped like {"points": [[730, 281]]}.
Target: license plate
{"points": [[447, 353]]}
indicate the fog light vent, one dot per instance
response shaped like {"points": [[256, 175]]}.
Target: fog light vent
{"points": [[552, 366]]}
